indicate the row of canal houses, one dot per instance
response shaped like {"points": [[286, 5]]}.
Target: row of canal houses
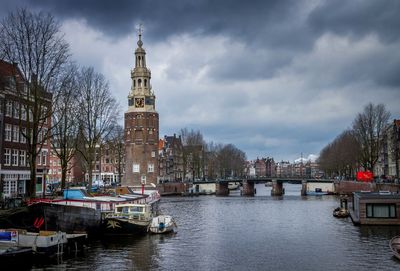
{"points": [[267, 167]]}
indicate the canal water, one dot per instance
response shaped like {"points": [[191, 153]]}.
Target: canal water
{"points": [[245, 233]]}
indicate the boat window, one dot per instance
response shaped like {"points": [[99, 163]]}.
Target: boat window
{"points": [[137, 209], [125, 210], [381, 210]]}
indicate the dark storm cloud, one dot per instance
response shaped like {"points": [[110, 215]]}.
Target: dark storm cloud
{"points": [[358, 18], [255, 21], [273, 32]]}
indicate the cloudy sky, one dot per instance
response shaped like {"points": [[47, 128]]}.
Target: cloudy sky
{"points": [[274, 78]]}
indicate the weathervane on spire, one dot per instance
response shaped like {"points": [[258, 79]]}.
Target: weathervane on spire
{"points": [[140, 31]]}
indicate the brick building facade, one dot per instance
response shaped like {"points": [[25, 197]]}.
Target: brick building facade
{"points": [[15, 120], [141, 126]]}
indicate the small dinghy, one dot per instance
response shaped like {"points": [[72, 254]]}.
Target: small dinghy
{"points": [[162, 224], [395, 246], [341, 212]]}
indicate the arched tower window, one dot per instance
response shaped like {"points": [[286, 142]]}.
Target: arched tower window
{"points": [[139, 81], [145, 82], [134, 83]]}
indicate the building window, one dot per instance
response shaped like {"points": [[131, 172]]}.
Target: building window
{"points": [[44, 114], [22, 137], [381, 210], [44, 157], [153, 154], [22, 158], [23, 112], [9, 105], [136, 168], [150, 168], [7, 157], [15, 158], [40, 137], [7, 132], [39, 158], [15, 134], [44, 132], [16, 110]]}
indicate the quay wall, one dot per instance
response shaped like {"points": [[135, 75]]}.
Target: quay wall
{"points": [[171, 188], [348, 187]]}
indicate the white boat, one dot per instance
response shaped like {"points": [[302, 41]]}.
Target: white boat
{"points": [[395, 246], [46, 243], [162, 224], [233, 186]]}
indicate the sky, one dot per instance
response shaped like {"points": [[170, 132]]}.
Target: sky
{"points": [[275, 78]]}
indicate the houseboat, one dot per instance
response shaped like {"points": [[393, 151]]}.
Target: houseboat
{"points": [[76, 212], [375, 208]]}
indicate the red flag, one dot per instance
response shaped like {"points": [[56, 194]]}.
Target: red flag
{"points": [[364, 176]]}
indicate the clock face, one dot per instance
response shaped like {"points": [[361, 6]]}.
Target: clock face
{"points": [[139, 102]]}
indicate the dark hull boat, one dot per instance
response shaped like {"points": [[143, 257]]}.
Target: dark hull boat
{"points": [[52, 217], [133, 219], [124, 226]]}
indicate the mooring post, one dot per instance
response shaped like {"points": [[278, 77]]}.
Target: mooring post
{"points": [[304, 187]]}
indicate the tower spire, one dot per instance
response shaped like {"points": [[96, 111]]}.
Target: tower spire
{"points": [[140, 32]]}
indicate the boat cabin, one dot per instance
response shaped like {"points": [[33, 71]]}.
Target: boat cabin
{"points": [[375, 208], [133, 211]]}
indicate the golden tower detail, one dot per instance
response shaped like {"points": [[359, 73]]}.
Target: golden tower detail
{"points": [[141, 125]]}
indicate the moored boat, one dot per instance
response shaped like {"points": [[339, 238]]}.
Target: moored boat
{"points": [[17, 242], [9, 249], [46, 243], [128, 219], [316, 192], [395, 246], [341, 212], [162, 224]]}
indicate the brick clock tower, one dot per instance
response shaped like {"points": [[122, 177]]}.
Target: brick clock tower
{"points": [[141, 126]]}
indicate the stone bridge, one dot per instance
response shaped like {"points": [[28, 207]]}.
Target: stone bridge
{"points": [[277, 184]]}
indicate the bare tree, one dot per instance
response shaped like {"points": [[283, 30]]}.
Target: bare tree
{"points": [[33, 40], [97, 116], [213, 164], [65, 115], [116, 143], [394, 144], [193, 153], [368, 128], [231, 160], [341, 156]]}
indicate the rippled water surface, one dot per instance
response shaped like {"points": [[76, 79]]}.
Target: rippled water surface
{"points": [[246, 233]]}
